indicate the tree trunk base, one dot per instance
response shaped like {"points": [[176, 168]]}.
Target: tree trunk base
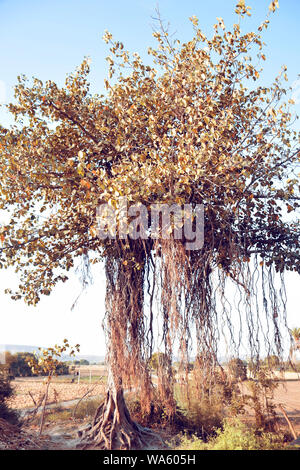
{"points": [[113, 428]]}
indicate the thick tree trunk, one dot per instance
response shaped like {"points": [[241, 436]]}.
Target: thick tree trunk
{"points": [[112, 426]]}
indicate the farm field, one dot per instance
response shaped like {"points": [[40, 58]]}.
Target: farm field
{"points": [[62, 390], [58, 392], [65, 393]]}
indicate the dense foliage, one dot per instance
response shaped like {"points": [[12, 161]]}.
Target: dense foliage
{"points": [[6, 392], [235, 435], [20, 365]]}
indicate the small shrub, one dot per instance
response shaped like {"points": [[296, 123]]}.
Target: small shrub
{"points": [[260, 399], [157, 416], [202, 417], [210, 397], [235, 435], [6, 392], [186, 442], [58, 414], [238, 369]]}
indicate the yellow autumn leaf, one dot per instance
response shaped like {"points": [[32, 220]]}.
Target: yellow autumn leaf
{"points": [[273, 5]]}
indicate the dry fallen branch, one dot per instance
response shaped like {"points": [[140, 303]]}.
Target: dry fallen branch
{"points": [[292, 429]]}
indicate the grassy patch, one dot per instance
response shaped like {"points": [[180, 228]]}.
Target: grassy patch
{"points": [[87, 408], [234, 435], [83, 379], [58, 415]]}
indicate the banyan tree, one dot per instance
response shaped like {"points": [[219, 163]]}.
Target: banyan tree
{"points": [[189, 129]]}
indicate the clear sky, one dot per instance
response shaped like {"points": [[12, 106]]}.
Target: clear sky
{"points": [[48, 39]]}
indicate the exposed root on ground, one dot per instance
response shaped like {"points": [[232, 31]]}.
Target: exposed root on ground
{"points": [[113, 428]]}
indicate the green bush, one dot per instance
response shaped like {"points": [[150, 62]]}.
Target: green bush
{"points": [[6, 392], [19, 367], [18, 363], [57, 415], [62, 369], [235, 435], [202, 417], [204, 407]]}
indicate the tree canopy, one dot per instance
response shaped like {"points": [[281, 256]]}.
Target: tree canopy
{"points": [[188, 129]]}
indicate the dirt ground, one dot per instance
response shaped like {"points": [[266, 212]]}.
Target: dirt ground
{"points": [[288, 395], [58, 392]]}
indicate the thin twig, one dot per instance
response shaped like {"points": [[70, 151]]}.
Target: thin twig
{"points": [[80, 400]]}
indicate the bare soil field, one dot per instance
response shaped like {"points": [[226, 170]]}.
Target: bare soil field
{"points": [[61, 389], [58, 392]]}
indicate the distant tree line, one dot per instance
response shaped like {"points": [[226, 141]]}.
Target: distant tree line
{"points": [[16, 365], [82, 362]]}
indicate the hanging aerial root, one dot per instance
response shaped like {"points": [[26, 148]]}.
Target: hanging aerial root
{"points": [[113, 428]]}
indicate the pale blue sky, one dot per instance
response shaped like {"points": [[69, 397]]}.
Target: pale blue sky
{"points": [[48, 39]]}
